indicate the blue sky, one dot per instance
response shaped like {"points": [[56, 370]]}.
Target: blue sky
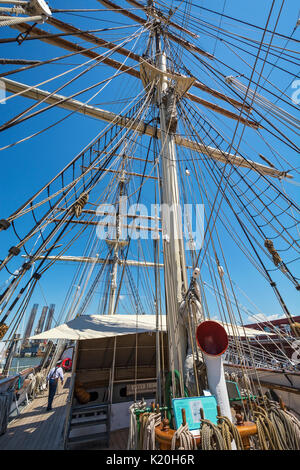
{"points": [[28, 166]]}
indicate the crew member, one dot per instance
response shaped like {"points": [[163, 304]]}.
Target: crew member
{"points": [[55, 374]]}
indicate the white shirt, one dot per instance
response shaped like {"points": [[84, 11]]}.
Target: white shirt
{"points": [[56, 373]]}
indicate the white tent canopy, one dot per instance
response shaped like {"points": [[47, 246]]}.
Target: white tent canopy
{"points": [[104, 326]]}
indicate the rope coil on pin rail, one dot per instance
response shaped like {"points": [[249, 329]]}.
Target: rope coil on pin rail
{"points": [[211, 436], [151, 421], [268, 434], [147, 422], [229, 433], [133, 436], [287, 424], [186, 439], [143, 418], [295, 423]]}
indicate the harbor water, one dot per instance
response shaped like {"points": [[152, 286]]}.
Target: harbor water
{"points": [[20, 363]]}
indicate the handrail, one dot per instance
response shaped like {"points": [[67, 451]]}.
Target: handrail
{"points": [[259, 362], [6, 380]]}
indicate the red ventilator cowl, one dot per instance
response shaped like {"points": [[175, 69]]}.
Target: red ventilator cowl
{"points": [[212, 338]]}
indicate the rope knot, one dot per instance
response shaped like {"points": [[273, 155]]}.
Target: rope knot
{"points": [[80, 203], [3, 330], [271, 249]]}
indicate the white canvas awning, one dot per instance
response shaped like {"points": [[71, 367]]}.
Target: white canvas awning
{"points": [[105, 326], [102, 326]]}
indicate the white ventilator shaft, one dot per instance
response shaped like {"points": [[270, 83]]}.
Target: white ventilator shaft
{"points": [[217, 383]]}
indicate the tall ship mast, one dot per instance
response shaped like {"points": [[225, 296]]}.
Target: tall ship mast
{"points": [[174, 220]]}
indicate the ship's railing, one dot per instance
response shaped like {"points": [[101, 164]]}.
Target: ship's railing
{"points": [[258, 359], [20, 388], [16, 370]]}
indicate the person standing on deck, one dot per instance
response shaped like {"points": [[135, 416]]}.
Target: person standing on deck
{"points": [[54, 375]]}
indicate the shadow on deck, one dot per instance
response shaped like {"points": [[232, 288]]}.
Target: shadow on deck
{"points": [[36, 428]]}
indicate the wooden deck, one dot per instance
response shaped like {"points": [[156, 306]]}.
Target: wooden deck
{"points": [[118, 440], [36, 428], [39, 429]]}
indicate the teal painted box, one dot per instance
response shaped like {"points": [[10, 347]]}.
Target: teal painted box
{"points": [[192, 407]]}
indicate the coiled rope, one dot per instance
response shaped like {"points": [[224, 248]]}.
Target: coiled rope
{"points": [[185, 437], [133, 436], [211, 437], [288, 428], [268, 434], [149, 425], [143, 422], [229, 433], [295, 423], [80, 203]]}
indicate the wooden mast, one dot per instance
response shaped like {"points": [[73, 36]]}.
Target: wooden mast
{"points": [[175, 277], [116, 243]]}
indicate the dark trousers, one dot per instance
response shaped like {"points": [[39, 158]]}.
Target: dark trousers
{"points": [[52, 391]]}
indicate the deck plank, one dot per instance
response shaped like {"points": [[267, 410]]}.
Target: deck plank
{"points": [[118, 439], [36, 428]]}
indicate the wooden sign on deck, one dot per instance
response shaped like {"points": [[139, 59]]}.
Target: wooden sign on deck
{"points": [[141, 388]]}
